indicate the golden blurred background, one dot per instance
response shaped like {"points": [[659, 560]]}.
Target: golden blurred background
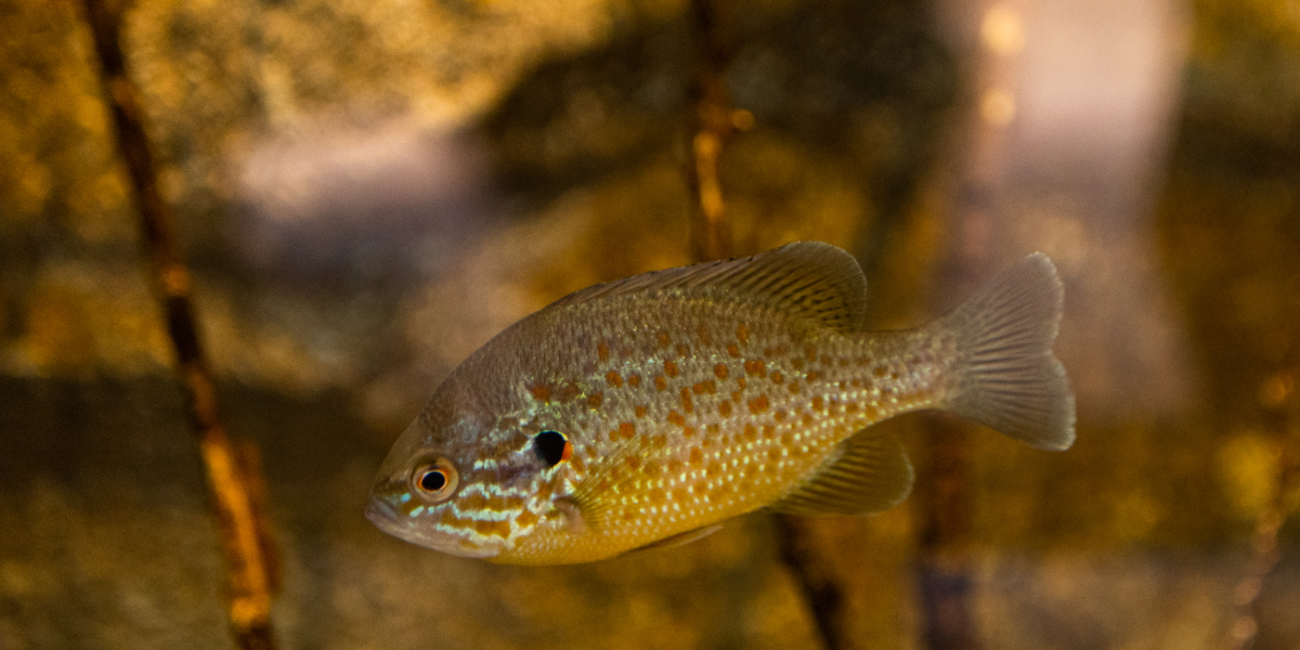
{"points": [[367, 191]]}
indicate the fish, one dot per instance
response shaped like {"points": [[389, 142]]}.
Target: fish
{"points": [[647, 411]]}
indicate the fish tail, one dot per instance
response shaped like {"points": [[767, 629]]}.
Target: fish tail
{"points": [[1005, 375]]}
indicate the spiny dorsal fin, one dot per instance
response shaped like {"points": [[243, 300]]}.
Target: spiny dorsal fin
{"points": [[870, 474], [811, 279]]}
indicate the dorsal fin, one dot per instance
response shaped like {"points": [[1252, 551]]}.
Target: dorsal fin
{"points": [[813, 280], [870, 474]]}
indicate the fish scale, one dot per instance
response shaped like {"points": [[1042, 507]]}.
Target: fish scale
{"points": [[690, 396]]}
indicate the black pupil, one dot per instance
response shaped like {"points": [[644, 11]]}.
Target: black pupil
{"points": [[550, 446], [433, 481]]}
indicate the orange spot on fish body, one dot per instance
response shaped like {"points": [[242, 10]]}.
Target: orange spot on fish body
{"points": [[818, 403], [488, 527], [569, 392], [682, 350], [720, 371], [696, 457], [807, 419], [706, 337], [670, 368], [634, 381], [449, 518], [594, 400], [758, 404], [794, 388], [740, 383], [657, 496], [526, 519], [640, 411], [674, 465], [688, 431], [742, 334], [780, 416], [686, 400], [755, 368], [724, 409], [660, 383], [664, 340], [541, 392], [614, 379], [751, 434], [676, 418], [797, 363], [613, 435], [735, 396], [602, 351], [777, 377], [813, 375], [712, 429], [633, 462], [626, 430], [733, 350]]}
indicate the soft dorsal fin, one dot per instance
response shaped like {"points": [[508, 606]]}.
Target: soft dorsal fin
{"points": [[870, 474], [813, 280]]}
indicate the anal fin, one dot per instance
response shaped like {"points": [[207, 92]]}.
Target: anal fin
{"points": [[681, 539], [870, 473]]}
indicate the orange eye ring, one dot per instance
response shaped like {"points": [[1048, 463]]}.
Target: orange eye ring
{"points": [[435, 480]]}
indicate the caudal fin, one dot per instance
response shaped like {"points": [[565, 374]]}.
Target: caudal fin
{"points": [[1005, 375]]}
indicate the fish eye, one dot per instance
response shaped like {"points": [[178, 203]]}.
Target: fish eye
{"points": [[435, 480], [553, 447]]}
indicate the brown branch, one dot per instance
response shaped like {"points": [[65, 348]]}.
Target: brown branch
{"points": [[944, 566], [1282, 402], [713, 122], [232, 485], [711, 127]]}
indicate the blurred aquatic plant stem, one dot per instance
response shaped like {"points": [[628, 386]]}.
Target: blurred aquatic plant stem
{"points": [[711, 127], [1281, 403], [233, 479], [712, 123]]}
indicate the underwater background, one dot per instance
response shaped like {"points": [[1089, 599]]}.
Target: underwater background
{"points": [[366, 192]]}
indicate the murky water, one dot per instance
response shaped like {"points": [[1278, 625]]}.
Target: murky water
{"points": [[368, 192]]}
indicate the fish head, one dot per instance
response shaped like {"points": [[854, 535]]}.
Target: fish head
{"points": [[477, 489]]}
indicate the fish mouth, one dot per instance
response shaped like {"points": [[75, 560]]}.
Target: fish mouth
{"points": [[385, 516], [382, 514]]}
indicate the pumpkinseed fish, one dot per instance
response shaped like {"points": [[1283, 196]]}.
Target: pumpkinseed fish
{"points": [[645, 411]]}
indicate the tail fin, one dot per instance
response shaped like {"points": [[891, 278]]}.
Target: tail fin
{"points": [[1005, 375]]}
